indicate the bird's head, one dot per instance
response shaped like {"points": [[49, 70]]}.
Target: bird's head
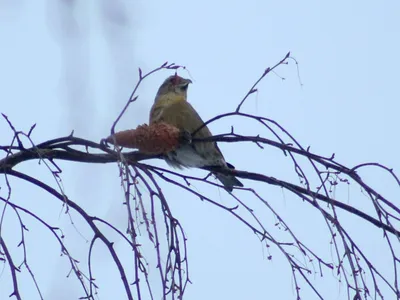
{"points": [[174, 84]]}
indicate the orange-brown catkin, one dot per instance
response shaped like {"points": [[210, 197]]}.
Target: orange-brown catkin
{"points": [[157, 138]]}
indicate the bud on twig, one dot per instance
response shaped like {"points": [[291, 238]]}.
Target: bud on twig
{"points": [[150, 139]]}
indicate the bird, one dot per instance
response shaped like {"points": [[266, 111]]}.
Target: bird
{"points": [[171, 107]]}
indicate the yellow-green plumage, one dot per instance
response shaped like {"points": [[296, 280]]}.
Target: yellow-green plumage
{"points": [[171, 107]]}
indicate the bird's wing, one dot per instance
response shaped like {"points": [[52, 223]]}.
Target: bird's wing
{"points": [[183, 116]]}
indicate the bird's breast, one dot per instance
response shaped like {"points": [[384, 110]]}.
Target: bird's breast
{"points": [[169, 99]]}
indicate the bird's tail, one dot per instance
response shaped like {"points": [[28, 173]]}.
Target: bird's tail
{"points": [[228, 181]]}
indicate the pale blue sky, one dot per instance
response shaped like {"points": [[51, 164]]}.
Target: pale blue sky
{"points": [[73, 69]]}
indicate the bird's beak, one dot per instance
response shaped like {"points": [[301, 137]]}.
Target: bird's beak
{"points": [[183, 85], [185, 82]]}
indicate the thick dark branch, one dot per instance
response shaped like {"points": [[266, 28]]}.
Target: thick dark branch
{"points": [[298, 190], [47, 150], [326, 161]]}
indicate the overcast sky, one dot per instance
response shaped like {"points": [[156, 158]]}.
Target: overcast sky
{"points": [[71, 65]]}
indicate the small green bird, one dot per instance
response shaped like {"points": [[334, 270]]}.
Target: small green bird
{"points": [[171, 106]]}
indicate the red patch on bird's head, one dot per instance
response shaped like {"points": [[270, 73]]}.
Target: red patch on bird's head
{"points": [[175, 79]]}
